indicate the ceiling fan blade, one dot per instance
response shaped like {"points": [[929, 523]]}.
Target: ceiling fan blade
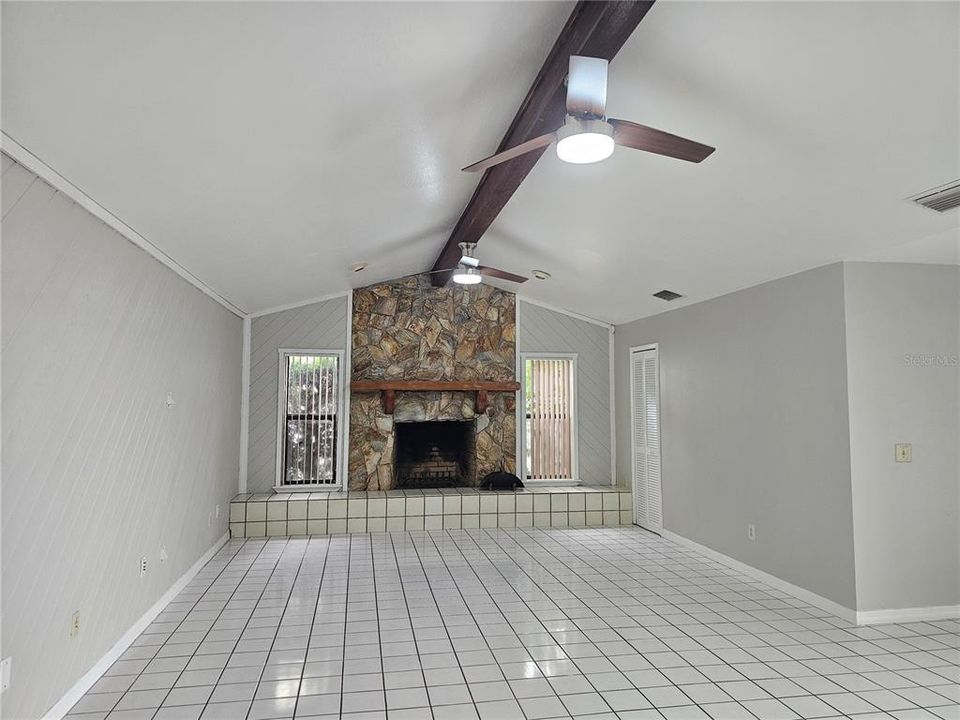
{"points": [[640, 137], [515, 151], [587, 86], [502, 274]]}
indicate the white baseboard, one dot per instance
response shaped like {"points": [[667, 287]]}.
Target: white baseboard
{"points": [[798, 592], [906, 615], [103, 664]]}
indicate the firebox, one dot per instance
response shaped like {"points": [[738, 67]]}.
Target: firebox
{"points": [[438, 454]]}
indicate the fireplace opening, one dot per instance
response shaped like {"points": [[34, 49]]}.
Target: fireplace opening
{"points": [[438, 454]]}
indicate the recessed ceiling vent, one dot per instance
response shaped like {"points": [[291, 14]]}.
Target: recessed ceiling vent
{"points": [[667, 295], [943, 198]]}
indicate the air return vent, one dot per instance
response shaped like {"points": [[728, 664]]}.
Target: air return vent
{"points": [[943, 198], [667, 295]]}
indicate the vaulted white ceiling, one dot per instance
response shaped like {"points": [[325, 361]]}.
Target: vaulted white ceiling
{"points": [[267, 146]]}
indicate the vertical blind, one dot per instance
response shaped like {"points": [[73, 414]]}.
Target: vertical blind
{"points": [[310, 425], [548, 396]]}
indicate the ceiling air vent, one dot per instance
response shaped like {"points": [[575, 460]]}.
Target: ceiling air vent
{"points": [[943, 198], [667, 295]]}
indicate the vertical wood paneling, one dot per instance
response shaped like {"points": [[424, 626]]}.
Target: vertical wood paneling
{"points": [[544, 330], [97, 471], [320, 326]]}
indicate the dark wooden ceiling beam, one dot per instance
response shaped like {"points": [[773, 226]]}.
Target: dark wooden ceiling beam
{"points": [[595, 29]]}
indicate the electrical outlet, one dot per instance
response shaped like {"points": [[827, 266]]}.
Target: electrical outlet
{"points": [[6, 668], [143, 566], [751, 531], [903, 452], [163, 554], [75, 624], [218, 512]]}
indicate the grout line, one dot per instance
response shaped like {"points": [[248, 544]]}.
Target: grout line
{"points": [[316, 609], [253, 563], [346, 619], [286, 605], [597, 570]]}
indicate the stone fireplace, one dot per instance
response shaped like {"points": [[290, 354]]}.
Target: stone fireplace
{"points": [[407, 330], [434, 454]]}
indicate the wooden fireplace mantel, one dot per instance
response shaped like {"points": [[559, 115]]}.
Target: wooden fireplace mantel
{"points": [[389, 388]]}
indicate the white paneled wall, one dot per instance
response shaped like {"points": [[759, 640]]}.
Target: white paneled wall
{"points": [[544, 330], [320, 326], [97, 470]]}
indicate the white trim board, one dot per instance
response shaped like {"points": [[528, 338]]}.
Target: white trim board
{"points": [[905, 615], [30, 161], [103, 664], [245, 406], [518, 396], [772, 580], [562, 311], [347, 392], [613, 406], [862, 617]]}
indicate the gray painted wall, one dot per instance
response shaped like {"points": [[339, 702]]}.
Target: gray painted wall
{"points": [[97, 472], [754, 420], [542, 330], [906, 524], [320, 326]]}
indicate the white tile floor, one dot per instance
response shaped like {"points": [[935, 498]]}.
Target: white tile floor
{"points": [[598, 623]]}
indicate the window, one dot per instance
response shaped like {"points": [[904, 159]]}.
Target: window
{"points": [[549, 431], [309, 402]]}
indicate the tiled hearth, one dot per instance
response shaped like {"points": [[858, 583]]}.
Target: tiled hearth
{"points": [[284, 514]]}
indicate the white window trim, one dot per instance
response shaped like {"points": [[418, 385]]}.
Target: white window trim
{"points": [[278, 485], [574, 426]]}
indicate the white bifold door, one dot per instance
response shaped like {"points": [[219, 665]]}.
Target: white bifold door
{"points": [[645, 431]]}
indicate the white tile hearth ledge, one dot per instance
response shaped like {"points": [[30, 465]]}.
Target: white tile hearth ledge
{"points": [[323, 513]]}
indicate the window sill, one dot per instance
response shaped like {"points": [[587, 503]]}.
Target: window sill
{"points": [[287, 489], [560, 482]]}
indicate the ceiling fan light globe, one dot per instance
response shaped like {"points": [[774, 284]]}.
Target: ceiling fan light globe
{"points": [[466, 276], [584, 141], [585, 148]]}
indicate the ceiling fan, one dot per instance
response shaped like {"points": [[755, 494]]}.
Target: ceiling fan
{"points": [[469, 271], [588, 135]]}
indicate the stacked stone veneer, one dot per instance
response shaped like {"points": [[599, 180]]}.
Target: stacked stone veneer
{"points": [[409, 330]]}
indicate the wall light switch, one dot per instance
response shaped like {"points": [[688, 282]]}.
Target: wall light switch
{"points": [[6, 667], [903, 452]]}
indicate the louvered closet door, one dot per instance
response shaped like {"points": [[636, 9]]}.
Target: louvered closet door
{"points": [[645, 423]]}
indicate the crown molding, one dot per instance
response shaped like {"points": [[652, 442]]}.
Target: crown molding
{"points": [[33, 163], [562, 311], [300, 303]]}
